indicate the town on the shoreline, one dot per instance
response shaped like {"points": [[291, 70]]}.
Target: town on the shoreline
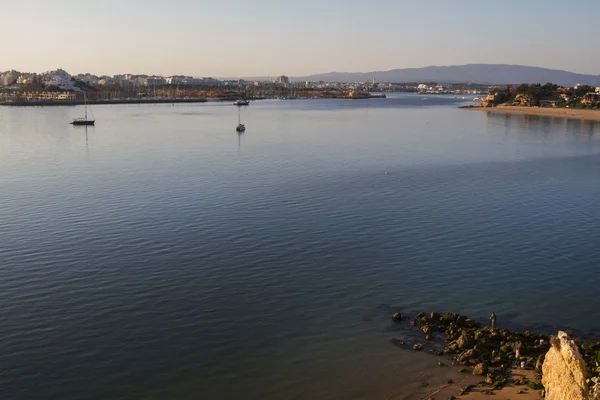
{"points": [[60, 86]]}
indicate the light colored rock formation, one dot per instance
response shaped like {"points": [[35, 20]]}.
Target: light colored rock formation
{"points": [[563, 372], [523, 100], [480, 369]]}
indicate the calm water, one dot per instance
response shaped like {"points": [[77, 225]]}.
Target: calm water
{"points": [[159, 255]]}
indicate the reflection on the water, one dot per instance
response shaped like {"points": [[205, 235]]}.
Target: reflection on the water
{"points": [[544, 125], [239, 135]]}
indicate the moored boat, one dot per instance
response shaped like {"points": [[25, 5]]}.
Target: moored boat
{"points": [[84, 120], [240, 127]]}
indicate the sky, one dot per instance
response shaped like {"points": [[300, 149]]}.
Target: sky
{"points": [[250, 38]]}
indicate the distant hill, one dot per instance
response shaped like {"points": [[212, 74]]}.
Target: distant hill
{"points": [[491, 74]]}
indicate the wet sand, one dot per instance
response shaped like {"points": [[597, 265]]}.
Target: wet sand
{"points": [[592, 115], [433, 385], [409, 375], [508, 392]]}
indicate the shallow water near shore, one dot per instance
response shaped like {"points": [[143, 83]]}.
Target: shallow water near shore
{"points": [[160, 255]]}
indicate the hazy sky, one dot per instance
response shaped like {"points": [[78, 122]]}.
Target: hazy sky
{"points": [[227, 38]]}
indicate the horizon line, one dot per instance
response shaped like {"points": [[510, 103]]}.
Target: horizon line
{"points": [[261, 76]]}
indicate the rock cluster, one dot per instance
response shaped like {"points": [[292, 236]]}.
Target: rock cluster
{"points": [[595, 388], [568, 367], [489, 353], [590, 351], [495, 97], [523, 100]]}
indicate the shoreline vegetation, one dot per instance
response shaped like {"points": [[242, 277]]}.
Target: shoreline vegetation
{"points": [[582, 114], [579, 102], [491, 360]]}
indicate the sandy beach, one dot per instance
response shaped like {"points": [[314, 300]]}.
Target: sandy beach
{"points": [[389, 378], [508, 392], [592, 115]]}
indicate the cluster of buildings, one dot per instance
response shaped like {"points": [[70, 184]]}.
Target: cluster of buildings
{"points": [[130, 80], [63, 80], [10, 77], [58, 79], [449, 89], [60, 83], [44, 96]]}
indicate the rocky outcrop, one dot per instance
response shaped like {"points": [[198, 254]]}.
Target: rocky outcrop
{"points": [[595, 388], [563, 371], [523, 100], [495, 97], [465, 341], [480, 369], [564, 363]]}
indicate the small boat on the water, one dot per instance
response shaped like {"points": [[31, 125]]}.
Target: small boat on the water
{"points": [[241, 103], [240, 127], [84, 120]]}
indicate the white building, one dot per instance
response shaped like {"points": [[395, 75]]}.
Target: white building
{"points": [[26, 79], [200, 81], [66, 96], [176, 79], [59, 78], [10, 77], [155, 81], [89, 79]]}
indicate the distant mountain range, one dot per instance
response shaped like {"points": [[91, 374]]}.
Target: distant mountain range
{"points": [[491, 74]]}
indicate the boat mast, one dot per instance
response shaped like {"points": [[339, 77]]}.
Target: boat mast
{"points": [[239, 113], [85, 104]]}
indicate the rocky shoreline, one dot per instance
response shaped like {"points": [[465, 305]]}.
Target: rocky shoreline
{"points": [[493, 354]]}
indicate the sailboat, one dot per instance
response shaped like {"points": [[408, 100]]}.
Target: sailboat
{"points": [[84, 120], [241, 127]]}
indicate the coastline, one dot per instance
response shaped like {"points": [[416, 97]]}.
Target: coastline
{"points": [[40, 103], [590, 115], [479, 360], [477, 392]]}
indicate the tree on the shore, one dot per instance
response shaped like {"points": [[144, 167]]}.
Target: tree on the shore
{"points": [[582, 90], [537, 91]]}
